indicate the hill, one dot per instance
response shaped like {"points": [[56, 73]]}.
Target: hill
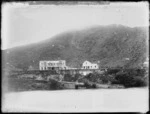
{"points": [[111, 45]]}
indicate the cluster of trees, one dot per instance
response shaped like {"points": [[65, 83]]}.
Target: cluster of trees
{"points": [[125, 77], [55, 85], [132, 78], [72, 78]]}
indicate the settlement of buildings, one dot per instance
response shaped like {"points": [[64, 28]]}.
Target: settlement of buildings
{"points": [[87, 67], [52, 65]]}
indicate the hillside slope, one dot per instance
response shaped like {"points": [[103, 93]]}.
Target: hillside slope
{"points": [[108, 44]]}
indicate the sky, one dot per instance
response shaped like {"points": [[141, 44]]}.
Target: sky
{"points": [[24, 24]]}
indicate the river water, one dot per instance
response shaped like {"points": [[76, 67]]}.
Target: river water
{"points": [[83, 100]]}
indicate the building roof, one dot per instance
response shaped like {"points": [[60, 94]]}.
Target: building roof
{"points": [[91, 62], [87, 61]]}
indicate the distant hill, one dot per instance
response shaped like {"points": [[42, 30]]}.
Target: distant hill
{"points": [[110, 45]]}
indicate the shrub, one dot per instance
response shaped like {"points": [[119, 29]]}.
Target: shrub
{"points": [[98, 78], [131, 78], [93, 85], [141, 72], [106, 78], [125, 79], [112, 71], [93, 77], [77, 76], [88, 84], [68, 77], [71, 78], [54, 85], [139, 82]]}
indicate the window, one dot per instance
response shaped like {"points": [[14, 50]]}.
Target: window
{"points": [[59, 64], [49, 64]]}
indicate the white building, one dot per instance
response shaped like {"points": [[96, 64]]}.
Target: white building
{"points": [[89, 65], [146, 63], [50, 65]]}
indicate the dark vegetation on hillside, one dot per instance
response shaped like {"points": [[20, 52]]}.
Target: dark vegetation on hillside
{"points": [[125, 77], [109, 44], [72, 78]]}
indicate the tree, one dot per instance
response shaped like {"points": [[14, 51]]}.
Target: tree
{"points": [[68, 77], [131, 78], [54, 85]]}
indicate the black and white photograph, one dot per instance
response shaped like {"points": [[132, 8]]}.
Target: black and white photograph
{"points": [[75, 56]]}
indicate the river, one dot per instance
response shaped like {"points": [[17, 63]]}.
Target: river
{"points": [[83, 100]]}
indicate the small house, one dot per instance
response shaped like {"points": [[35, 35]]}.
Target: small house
{"points": [[89, 65]]}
